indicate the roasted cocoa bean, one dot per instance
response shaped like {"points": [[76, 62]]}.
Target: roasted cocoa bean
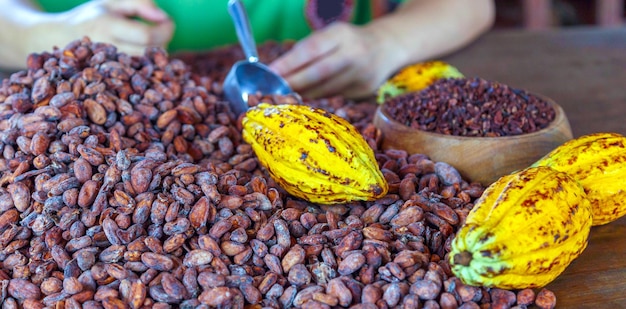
{"points": [[545, 299]]}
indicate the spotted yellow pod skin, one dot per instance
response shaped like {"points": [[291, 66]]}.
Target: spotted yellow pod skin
{"points": [[416, 77], [313, 154], [523, 231], [598, 162]]}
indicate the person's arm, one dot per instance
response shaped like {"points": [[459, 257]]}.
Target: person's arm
{"points": [[425, 29], [26, 29], [353, 61]]}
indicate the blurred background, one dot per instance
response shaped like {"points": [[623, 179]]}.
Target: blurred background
{"points": [[544, 14]]}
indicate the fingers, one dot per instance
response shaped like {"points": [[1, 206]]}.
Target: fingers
{"points": [[130, 49], [359, 91], [350, 83], [315, 72], [344, 85], [139, 33], [131, 36], [331, 86], [308, 50], [145, 9]]}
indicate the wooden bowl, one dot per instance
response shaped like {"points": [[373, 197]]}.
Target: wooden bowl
{"points": [[478, 159]]}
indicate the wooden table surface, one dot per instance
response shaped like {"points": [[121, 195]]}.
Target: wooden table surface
{"points": [[584, 70]]}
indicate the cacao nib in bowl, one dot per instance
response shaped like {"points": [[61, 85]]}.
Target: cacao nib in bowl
{"points": [[485, 129], [472, 107]]}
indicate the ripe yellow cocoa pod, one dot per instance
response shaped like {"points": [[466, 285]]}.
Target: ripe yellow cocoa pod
{"points": [[313, 154], [523, 231], [416, 77], [598, 162]]}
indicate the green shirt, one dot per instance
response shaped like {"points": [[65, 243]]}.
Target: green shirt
{"points": [[205, 24]]}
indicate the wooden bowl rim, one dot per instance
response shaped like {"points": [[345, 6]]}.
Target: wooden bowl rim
{"points": [[559, 117]]}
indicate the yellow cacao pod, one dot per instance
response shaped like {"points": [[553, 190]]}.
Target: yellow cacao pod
{"points": [[523, 231], [313, 154], [598, 162], [416, 77]]}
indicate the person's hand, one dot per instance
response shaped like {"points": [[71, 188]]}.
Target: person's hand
{"points": [[130, 25], [339, 59]]}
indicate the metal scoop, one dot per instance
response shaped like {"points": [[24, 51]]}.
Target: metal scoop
{"points": [[249, 77]]}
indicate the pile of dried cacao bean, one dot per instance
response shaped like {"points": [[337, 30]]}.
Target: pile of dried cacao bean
{"points": [[125, 184]]}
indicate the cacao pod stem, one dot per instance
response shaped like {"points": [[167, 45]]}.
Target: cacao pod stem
{"points": [[463, 258]]}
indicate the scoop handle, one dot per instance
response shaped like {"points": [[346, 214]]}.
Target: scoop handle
{"points": [[244, 31]]}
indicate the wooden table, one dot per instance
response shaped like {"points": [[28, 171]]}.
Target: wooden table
{"points": [[584, 70]]}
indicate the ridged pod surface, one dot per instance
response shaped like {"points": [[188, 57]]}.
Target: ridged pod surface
{"points": [[416, 77], [313, 154], [598, 162], [523, 231]]}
